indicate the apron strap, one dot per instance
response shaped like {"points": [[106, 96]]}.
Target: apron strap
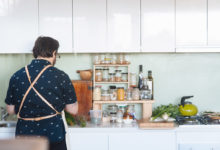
{"points": [[43, 99], [28, 90]]}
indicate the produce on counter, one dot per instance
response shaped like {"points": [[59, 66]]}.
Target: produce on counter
{"points": [[75, 120], [165, 111]]}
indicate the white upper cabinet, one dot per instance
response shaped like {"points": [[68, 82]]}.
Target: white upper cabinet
{"points": [[214, 23], [158, 25], [18, 25], [89, 26], [55, 20], [123, 22], [191, 23]]}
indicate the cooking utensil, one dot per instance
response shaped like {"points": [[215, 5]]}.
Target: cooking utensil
{"points": [[85, 74], [186, 108]]}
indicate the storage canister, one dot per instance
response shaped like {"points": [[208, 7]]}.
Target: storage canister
{"points": [[113, 93], [105, 73], [118, 75], [97, 93], [120, 93], [98, 75], [135, 93]]}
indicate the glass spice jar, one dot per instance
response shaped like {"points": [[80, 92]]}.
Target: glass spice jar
{"points": [[105, 73], [97, 93], [111, 77], [120, 59], [98, 75], [124, 77], [105, 95], [118, 75], [135, 93], [120, 93], [97, 59], [129, 94], [113, 93], [114, 60], [133, 80]]}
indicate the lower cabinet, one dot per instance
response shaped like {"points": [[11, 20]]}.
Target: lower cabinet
{"points": [[6, 135], [88, 141], [198, 140], [199, 146], [142, 141]]}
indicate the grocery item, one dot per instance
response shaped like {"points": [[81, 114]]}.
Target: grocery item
{"points": [[135, 93], [118, 75], [113, 93], [97, 93], [98, 75], [120, 93]]}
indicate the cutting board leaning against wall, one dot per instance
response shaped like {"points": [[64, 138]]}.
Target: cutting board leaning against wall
{"points": [[84, 96]]}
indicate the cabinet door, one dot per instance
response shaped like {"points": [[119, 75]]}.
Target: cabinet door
{"points": [[87, 141], [197, 146], [7, 135], [89, 26], [18, 25], [142, 141], [55, 20], [213, 23], [123, 25], [191, 23], [158, 25]]}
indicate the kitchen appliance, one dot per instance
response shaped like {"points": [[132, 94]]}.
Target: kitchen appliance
{"points": [[196, 120], [186, 108]]}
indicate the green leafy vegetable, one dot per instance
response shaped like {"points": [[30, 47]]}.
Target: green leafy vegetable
{"points": [[75, 120], [171, 110]]}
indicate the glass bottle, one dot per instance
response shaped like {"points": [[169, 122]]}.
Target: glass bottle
{"points": [[150, 84], [140, 77]]}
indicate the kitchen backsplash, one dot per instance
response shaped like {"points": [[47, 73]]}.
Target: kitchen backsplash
{"points": [[175, 75]]}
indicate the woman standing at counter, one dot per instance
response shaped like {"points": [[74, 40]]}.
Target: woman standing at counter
{"points": [[39, 92]]}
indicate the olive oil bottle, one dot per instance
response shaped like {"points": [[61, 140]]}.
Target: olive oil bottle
{"points": [[150, 84]]}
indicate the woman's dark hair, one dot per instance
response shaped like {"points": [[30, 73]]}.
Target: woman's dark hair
{"points": [[45, 46]]}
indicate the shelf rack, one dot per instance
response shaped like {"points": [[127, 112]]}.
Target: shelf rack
{"points": [[146, 104]]}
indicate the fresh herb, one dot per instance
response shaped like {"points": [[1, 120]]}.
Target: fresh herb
{"points": [[171, 110], [75, 120]]}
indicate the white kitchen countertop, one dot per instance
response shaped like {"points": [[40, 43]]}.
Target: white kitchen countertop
{"points": [[128, 128]]}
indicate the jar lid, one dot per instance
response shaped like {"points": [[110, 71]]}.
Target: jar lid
{"points": [[105, 69], [112, 87], [118, 70], [120, 88], [111, 73], [98, 69], [124, 73]]}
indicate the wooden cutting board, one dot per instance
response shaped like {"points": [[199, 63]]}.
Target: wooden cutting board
{"points": [[83, 91], [146, 124]]}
